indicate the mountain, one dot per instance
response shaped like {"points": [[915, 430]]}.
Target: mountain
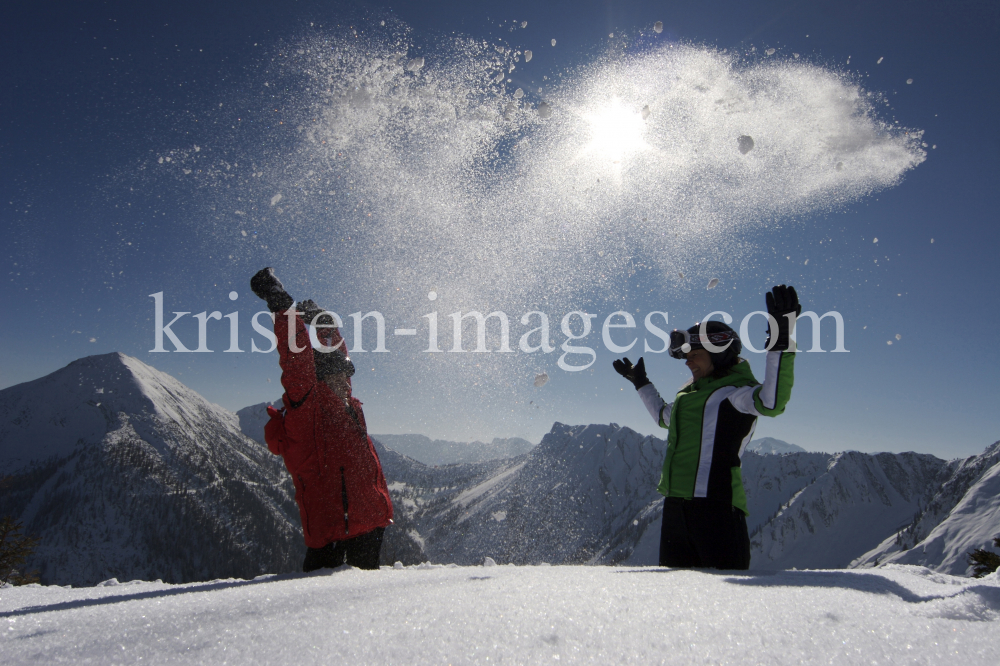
{"points": [[963, 514], [852, 505], [442, 452], [420, 448], [123, 471], [770, 445], [252, 419], [579, 496]]}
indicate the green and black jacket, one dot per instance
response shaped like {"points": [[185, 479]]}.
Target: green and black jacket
{"points": [[711, 421]]}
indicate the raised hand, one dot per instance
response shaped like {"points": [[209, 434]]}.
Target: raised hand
{"points": [[634, 373]]}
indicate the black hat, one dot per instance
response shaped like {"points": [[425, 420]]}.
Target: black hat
{"points": [[716, 334]]}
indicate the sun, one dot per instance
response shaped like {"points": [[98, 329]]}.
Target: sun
{"points": [[616, 131]]}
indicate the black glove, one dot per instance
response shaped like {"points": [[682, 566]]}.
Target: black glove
{"points": [[781, 301], [634, 373], [268, 287], [309, 311]]}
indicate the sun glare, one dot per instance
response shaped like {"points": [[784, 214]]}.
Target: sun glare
{"points": [[616, 131]]}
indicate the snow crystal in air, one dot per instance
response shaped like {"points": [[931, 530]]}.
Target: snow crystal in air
{"points": [[899, 337], [541, 379], [875, 240], [160, 160], [879, 61], [415, 64], [275, 199], [553, 42], [769, 52], [518, 94], [544, 110], [795, 55], [713, 283], [745, 143], [524, 24], [243, 232], [527, 56], [658, 27], [645, 112], [888, 342], [909, 81], [197, 148]]}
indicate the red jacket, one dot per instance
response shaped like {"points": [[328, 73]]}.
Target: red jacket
{"points": [[339, 485]]}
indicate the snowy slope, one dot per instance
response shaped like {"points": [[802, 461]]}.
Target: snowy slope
{"points": [[849, 509], [124, 471], [963, 515], [576, 497], [432, 614], [770, 445]]}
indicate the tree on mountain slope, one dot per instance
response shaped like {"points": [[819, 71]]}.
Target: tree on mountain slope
{"points": [[984, 562], [15, 549]]}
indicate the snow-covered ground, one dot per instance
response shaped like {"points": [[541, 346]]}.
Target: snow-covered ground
{"points": [[506, 614]]}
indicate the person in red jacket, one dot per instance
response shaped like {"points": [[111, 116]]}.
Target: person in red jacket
{"points": [[322, 437]]}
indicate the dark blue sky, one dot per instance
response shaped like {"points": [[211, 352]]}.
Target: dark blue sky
{"points": [[95, 93]]}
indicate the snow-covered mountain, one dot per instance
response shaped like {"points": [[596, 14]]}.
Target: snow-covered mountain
{"points": [[579, 496], [862, 510], [770, 445], [848, 509], [125, 472], [963, 514], [421, 448], [441, 452]]}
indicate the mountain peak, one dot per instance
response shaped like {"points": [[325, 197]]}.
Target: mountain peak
{"points": [[80, 403]]}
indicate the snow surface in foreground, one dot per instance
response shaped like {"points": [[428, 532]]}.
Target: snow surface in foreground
{"points": [[506, 614]]}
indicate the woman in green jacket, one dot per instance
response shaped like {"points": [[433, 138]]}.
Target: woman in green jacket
{"points": [[710, 422]]}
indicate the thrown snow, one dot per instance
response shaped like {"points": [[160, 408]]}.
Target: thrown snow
{"points": [[431, 614], [541, 379], [658, 27], [527, 56], [713, 283]]}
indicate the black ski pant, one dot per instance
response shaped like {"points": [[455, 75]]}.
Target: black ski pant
{"points": [[361, 551], [703, 533]]}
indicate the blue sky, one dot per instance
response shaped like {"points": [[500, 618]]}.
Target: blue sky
{"points": [[108, 104]]}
